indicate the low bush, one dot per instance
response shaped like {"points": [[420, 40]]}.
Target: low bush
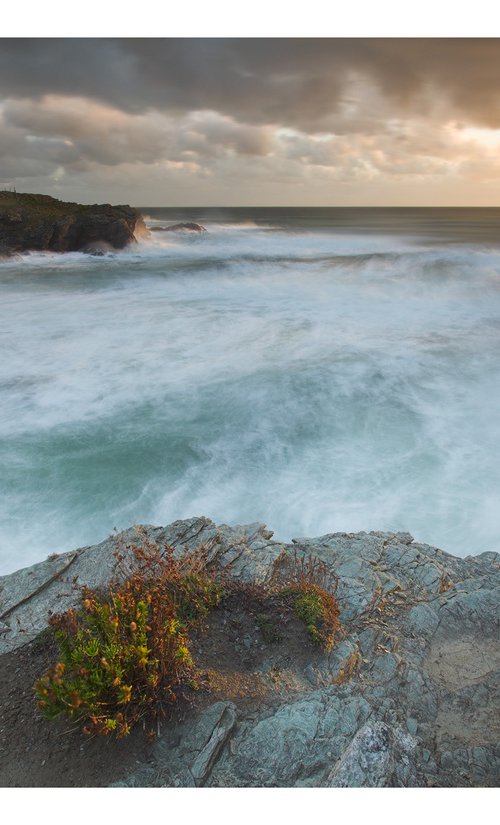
{"points": [[124, 655], [319, 610], [310, 584]]}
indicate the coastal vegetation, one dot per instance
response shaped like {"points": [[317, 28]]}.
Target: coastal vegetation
{"points": [[125, 653], [260, 703], [319, 611]]}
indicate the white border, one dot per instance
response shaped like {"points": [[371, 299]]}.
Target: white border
{"points": [[253, 18]]}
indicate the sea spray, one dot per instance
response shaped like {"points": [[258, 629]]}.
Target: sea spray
{"points": [[316, 379]]}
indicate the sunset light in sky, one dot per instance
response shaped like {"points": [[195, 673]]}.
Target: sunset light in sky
{"points": [[363, 121]]}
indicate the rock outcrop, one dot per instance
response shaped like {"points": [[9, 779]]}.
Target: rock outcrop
{"points": [[409, 696], [39, 222], [180, 227]]}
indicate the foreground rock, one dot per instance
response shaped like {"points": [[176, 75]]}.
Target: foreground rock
{"points": [[408, 697], [39, 222]]}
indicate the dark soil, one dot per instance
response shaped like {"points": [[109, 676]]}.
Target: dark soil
{"points": [[237, 659], [35, 752]]}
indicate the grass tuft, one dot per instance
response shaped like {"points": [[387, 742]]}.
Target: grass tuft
{"points": [[319, 611]]}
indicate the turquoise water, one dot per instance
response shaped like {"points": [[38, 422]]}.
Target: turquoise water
{"points": [[319, 370]]}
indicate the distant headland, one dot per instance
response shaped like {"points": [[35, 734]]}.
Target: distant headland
{"points": [[42, 223]]}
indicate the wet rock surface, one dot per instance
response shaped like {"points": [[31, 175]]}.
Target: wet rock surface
{"points": [[186, 226], [409, 695], [41, 223]]}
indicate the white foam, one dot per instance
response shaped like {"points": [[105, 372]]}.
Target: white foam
{"points": [[320, 382]]}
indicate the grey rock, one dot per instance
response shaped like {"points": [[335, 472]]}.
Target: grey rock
{"points": [[184, 756], [203, 763], [27, 596], [418, 659], [472, 610], [340, 656], [310, 673], [378, 757], [273, 750], [188, 226], [470, 766], [384, 668], [196, 736], [423, 619]]}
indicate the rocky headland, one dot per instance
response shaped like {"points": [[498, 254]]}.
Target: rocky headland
{"points": [[31, 222], [408, 697]]}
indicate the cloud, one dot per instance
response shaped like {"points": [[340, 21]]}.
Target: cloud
{"points": [[192, 116], [92, 131], [294, 82]]}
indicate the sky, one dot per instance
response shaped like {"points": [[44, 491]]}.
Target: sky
{"points": [[259, 121]]}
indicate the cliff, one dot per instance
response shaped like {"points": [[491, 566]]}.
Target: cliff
{"points": [[408, 696], [39, 222]]}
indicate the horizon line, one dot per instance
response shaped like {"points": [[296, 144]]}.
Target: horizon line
{"points": [[316, 206]]}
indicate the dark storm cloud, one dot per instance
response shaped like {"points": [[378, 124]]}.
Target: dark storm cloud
{"points": [[293, 82], [217, 120]]}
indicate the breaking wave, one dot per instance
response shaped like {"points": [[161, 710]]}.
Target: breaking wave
{"points": [[317, 380]]}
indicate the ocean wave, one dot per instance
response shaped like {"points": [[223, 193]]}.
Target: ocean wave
{"points": [[318, 381]]}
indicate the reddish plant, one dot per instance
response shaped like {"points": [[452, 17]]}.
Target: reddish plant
{"points": [[124, 654]]}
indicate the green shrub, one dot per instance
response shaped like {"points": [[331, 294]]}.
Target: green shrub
{"points": [[318, 609], [124, 654]]}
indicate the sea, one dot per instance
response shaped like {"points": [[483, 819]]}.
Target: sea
{"points": [[315, 369]]}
